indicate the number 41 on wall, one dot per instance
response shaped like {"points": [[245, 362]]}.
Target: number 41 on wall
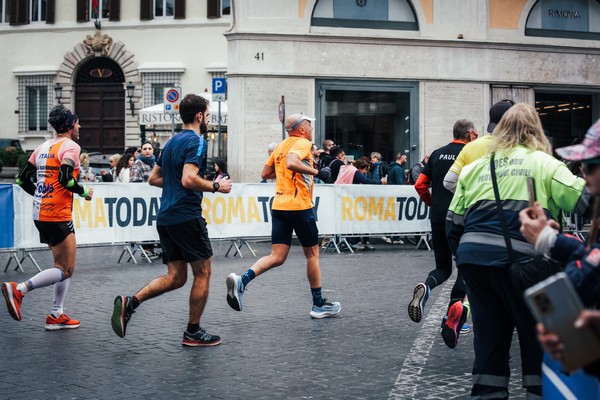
{"points": [[259, 56]]}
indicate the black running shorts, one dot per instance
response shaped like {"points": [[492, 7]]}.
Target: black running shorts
{"points": [[187, 241], [302, 222], [54, 233]]}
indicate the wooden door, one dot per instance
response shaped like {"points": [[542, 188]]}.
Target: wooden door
{"points": [[101, 112]]}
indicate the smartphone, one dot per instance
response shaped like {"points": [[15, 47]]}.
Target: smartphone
{"points": [[555, 303], [531, 190]]}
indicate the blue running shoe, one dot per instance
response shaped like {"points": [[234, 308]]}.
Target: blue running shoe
{"points": [[466, 328], [235, 290], [417, 304], [326, 310]]}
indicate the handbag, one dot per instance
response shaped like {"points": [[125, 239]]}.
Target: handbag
{"points": [[523, 274]]}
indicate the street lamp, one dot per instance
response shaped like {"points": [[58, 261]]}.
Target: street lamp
{"points": [[58, 91], [130, 87]]}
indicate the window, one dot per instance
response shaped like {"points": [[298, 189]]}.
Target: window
{"points": [[100, 9], [381, 14], [38, 10], [158, 90], [150, 9], [36, 97], [573, 19], [363, 117], [163, 8], [4, 15], [218, 8], [155, 84], [37, 108]]}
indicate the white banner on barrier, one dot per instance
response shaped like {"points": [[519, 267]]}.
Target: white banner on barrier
{"points": [[124, 213]]}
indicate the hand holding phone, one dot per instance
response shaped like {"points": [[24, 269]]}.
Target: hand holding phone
{"points": [[531, 190], [555, 303]]}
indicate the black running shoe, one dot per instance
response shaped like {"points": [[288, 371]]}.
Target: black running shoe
{"points": [[200, 339], [122, 312]]}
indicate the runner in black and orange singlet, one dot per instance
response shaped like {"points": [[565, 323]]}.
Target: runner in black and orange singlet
{"points": [[50, 176]]}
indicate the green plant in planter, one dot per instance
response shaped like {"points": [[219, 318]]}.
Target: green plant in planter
{"points": [[10, 156]]}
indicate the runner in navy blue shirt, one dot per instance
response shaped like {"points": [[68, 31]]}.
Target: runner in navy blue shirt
{"points": [[182, 230]]}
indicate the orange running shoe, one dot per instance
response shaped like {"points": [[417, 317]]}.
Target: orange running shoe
{"points": [[62, 322], [13, 298]]}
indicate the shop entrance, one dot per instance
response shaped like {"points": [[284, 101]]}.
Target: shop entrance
{"points": [[362, 117], [565, 117]]}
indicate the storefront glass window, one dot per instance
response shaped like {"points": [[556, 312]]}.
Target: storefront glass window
{"points": [[565, 117], [363, 121]]}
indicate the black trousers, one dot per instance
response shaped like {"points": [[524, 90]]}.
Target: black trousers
{"points": [[497, 308], [443, 262]]}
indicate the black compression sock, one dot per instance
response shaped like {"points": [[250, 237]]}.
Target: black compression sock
{"points": [[193, 328]]}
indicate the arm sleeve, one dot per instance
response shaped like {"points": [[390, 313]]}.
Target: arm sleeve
{"points": [[361, 179], [569, 192], [422, 188], [450, 180], [65, 178], [455, 220], [27, 178], [584, 272]]}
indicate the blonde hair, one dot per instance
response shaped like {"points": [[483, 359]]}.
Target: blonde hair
{"points": [[115, 157], [520, 125], [84, 159]]}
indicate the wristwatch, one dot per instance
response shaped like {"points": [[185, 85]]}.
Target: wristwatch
{"points": [[216, 187]]}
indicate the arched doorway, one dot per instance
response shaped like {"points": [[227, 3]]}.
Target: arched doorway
{"points": [[100, 105]]}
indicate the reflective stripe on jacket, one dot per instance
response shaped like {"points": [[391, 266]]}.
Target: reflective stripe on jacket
{"points": [[472, 225]]}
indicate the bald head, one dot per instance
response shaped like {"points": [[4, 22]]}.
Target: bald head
{"points": [[295, 121]]}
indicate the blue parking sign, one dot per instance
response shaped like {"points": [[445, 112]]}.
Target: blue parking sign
{"points": [[219, 85]]}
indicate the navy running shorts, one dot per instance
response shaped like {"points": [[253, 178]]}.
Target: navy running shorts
{"points": [[53, 233], [302, 222], [187, 241]]}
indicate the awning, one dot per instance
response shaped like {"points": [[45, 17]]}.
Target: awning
{"points": [[155, 115]]}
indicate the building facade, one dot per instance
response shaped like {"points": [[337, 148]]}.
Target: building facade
{"points": [[394, 75], [105, 59]]}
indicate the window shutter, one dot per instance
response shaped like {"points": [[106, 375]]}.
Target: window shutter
{"points": [[12, 9], [83, 14], [213, 10], [50, 11], [146, 11], [19, 12], [114, 10], [179, 9]]}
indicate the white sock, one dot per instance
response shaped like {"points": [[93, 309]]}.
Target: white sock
{"points": [[60, 292], [45, 278]]}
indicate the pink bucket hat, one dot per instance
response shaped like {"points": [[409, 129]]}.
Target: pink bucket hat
{"points": [[589, 148]]}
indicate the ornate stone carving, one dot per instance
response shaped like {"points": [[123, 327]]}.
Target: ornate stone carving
{"points": [[98, 45]]}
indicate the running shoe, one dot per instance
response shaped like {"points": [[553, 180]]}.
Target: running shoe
{"points": [[200, 339], [122, 312], [326, 310], [62, 322], [235, 290], [369, 246], [466, 328], [358, 246], [457, 314], [13, 298], [417, 304]]}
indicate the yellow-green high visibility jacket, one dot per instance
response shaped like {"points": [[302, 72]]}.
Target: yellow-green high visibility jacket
{"points": [[473, 227]]}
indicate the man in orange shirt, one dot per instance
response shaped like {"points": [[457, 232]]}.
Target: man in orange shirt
{"points": [[292, 166], [50, 176]]}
